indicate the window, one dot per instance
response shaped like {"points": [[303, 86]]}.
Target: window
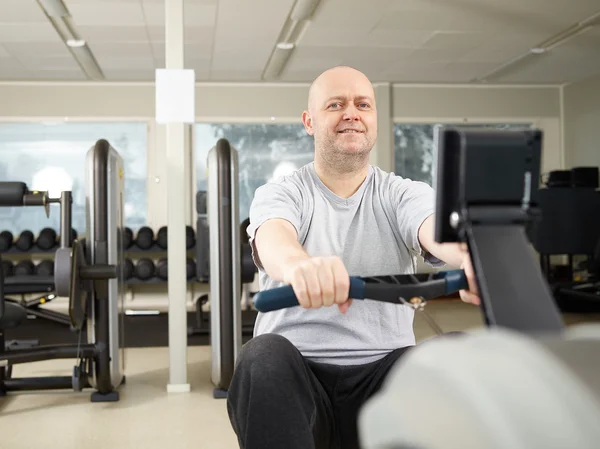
{"points": [[265, 152], [413, 148], [49, 156]]}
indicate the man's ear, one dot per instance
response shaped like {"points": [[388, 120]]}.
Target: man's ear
{"points": [[307, 121]]}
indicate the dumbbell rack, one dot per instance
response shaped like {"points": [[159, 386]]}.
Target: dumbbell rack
{"points": [[34, 266], [151, 254]]}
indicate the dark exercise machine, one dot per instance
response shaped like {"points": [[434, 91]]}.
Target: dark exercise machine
{"points": [[89, 272], [218, 246], [525, 381]]}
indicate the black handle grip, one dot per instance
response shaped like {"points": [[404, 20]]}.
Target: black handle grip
{"points": [[284, 297], [443, 283]]}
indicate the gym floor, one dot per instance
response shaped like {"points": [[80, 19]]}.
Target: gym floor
{"points": [[146, 415]]}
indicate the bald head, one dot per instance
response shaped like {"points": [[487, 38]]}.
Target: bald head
{"points": [[342, 117], [338, 81]]}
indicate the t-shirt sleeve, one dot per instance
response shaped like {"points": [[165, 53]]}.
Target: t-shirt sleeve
{"points": [[413, 202], [273, 200]]}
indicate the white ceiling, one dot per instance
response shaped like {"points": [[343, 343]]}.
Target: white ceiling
{"points": [[407, 41]]}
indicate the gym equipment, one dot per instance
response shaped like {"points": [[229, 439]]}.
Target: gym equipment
{"points": [[523, 382], [90, 273], [397, 289], [570, 225], [46, 239], [24, 268], [145, 237], [25, 241], [128, 269], [8, 268], [225, 277], [162, 269], [203, 241], [162, 237], [45, 268], [190, 268], [190, 237], [144, 269], [127, 238], [6, 240]]}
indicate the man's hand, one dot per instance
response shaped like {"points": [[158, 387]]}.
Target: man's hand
{"points": [[318, 282], [454, 255], [472, 294]]}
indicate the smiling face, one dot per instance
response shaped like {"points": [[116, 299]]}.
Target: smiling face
{"points": [[342, 117]]}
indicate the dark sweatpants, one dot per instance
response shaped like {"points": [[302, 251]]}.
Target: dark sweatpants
{"points": [[278, 399]]}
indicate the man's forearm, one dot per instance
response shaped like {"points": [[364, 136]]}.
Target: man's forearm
{"points": [[451, 253], [277, 246]]}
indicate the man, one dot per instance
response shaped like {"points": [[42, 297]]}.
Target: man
{"points": [[300, 382]]}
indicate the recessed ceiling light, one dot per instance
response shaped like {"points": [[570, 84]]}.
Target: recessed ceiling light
{"points": [[75, 43], [537, 50], [285, 45]]}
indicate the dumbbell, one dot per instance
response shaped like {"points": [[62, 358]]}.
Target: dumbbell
{"points": [[45, 268], [6, 240], [145, 237], [127, 238], [162, 239], [190, 268], [162, 268], [190, 237], [24, 268], [8, 268], [73, 236], [46, 238], [25, 241], [144, 269], [128, 269]]}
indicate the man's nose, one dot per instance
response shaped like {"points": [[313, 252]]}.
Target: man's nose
{"points": [[351, 113]]}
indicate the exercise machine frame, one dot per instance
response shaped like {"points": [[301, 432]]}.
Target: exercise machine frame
{"points": [[96, 286]]}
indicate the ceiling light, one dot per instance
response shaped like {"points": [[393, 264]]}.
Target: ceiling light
{"points": [[537, 50], [75, 43], [285, 45]]}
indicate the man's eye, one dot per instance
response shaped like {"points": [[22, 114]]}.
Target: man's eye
{"points": [[334, 105], [365, 105]]}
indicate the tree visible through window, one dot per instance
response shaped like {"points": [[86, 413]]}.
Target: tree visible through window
{"points": [[413, 147], [265, 151]]}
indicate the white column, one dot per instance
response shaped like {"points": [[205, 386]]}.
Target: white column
{"points": [[383, 153], [176, 208]]}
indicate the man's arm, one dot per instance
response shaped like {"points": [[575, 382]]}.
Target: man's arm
{"points": [[450, 253], [317, 281], [454, 254], [277, 246]]}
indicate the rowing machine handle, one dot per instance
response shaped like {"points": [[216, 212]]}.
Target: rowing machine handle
{"points": [[456, 280], [284, 297]]}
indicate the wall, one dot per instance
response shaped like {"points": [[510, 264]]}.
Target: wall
{"points": [[582, 123], [274, 103]]}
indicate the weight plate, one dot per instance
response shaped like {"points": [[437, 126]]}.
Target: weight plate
{"points": [[79, 292], [62, 271]]}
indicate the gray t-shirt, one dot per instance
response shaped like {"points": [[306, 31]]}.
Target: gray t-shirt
{"points": [[374, 232]]}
